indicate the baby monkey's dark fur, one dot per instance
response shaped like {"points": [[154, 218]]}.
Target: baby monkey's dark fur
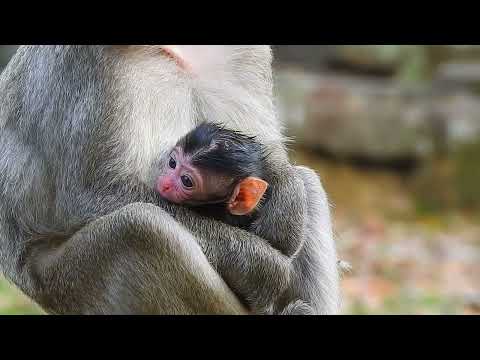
{"points": [[213, 147], [226, 152]]}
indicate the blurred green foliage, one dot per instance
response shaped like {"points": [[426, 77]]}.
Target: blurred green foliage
{"points": [[14, 302], [412, 60], [409, 63], [450, 183], [409, 304], [466, 177]]}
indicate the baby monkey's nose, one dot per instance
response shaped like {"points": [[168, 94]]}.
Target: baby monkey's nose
{"points": [[165, 186]]}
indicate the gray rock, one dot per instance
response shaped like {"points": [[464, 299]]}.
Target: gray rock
{"points": [[460, 112], [458, 74], [353, 116], [376, 119]]}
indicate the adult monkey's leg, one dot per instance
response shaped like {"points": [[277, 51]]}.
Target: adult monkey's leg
{"points": [[136, 260], [321, 245], [315, 277]]}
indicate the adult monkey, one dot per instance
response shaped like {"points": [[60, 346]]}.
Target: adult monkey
{"points": [[82, 131]]}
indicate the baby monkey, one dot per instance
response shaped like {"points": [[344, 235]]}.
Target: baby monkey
{"points": [[220, 173]]}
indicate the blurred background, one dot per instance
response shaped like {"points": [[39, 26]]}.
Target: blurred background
{"points": [[394, 132]]}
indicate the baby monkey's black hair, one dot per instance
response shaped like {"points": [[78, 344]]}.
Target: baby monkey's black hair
{"points": [[219, 150]]}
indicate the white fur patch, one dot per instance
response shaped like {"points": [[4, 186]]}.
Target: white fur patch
{"points": [[231, 85]]}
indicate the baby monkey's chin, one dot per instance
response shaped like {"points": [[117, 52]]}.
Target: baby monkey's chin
{"points": [[170, 197]]}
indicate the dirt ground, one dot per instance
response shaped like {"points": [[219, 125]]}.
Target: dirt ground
{"points": [[404, 261]]}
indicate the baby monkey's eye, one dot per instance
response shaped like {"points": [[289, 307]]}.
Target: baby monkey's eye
{"points": [[186, 181], [172, 163]]}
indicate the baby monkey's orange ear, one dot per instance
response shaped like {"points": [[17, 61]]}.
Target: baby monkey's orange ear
{"points": [[246, 195]]}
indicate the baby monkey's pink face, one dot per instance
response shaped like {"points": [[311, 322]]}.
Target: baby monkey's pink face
{"points": [[181, 182]]}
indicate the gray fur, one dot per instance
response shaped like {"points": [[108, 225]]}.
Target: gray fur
{"points": [[82, 129]]}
